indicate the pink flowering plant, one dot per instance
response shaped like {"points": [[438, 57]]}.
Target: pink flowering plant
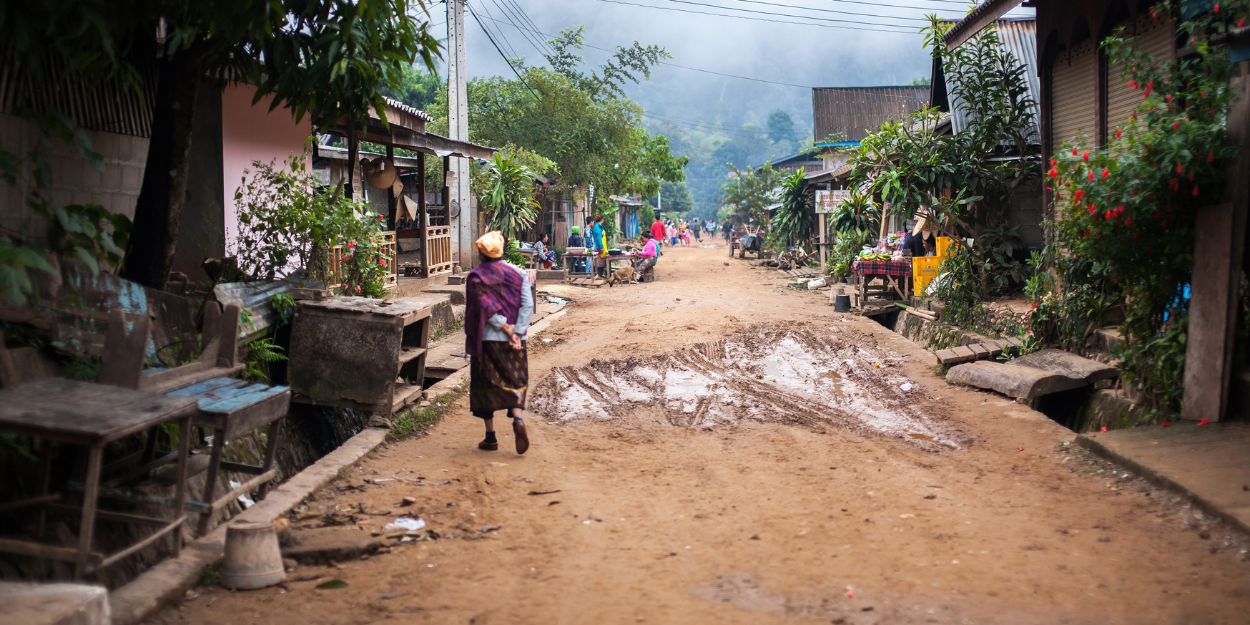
{"points": [[1125, 214], [363, 257]]}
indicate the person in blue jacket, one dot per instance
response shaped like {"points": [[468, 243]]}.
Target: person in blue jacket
{"points": [[597, 234]]}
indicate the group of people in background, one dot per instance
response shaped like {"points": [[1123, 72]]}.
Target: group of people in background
{"points": [[681, 232]]}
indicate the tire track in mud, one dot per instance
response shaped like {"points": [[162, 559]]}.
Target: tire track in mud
{"points": [[764, 375]]}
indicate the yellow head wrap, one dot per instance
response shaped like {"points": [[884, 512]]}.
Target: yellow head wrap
{"points": [[491, 244]]}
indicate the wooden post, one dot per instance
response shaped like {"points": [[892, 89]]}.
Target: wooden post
{"points": [[90, 496], [447, 195], [423, 219], [823, 267], [1218, 249], [353, 150], [392, 202]]}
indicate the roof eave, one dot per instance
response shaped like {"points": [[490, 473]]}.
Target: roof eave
{"points": [[977, 20]]}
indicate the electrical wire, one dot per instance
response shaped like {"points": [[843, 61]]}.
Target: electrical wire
{"points": [[883, 28], [506, 10], [505, 58], [531, 24], [787, 6], [713, 72], [507, 44]]}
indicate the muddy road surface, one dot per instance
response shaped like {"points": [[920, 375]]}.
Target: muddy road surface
{"points": [[716, 447]]}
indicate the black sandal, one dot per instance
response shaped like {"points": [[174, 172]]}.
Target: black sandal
{"points": [[522, 438]]}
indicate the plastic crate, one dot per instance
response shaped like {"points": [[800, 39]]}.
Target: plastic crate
{"points": [[943, 244], [923, 270]]}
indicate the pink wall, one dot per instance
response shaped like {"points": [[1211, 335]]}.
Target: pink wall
{"points": [[254, 133]]}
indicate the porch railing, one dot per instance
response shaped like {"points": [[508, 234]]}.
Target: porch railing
{"points": [[335, 272], [439, 257]]}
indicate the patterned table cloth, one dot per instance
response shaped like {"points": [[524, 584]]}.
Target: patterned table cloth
{"points": [[879, 268]]}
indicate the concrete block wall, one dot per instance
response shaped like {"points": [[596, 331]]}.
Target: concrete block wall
{"points": [[74, 180]]}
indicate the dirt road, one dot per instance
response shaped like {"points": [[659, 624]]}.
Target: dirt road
{"points": [[739, 453]]}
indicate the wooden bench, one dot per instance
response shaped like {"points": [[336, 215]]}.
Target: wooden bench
{"points": [[228, 406]]}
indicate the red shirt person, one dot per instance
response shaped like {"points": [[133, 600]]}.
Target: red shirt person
{"points": [[657, 229]]}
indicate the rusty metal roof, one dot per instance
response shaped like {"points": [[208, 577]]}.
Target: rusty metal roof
{"points": [[856, 111]]}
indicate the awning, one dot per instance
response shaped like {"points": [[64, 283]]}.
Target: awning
{"points": [[405, 129]]}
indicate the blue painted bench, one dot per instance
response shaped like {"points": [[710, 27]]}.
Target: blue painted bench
{"points": [[233, 407]]}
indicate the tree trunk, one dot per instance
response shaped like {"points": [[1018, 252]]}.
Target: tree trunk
{"points": [[158, 212]]}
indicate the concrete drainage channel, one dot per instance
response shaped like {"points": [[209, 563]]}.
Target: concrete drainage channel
{"points": [[764, 375], [1060, 385]]}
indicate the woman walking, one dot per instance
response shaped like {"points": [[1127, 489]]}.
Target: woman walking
{"points": [[497, 315]]}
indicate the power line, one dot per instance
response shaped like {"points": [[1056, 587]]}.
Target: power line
{"points": [[507, 44], [531, 23], [507, 15], [515, 10], [960, 3], [764, 19], [786, 6], [505, 58], [708, 71]]}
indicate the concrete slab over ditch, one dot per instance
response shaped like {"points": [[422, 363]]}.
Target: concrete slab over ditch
{"points": [[1210, 464], [1032, 376]]}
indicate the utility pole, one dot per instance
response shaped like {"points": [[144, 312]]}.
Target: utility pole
{"points": [[463, 218]]}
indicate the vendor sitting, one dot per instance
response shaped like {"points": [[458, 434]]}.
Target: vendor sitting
{"points": [[575, 240], [647, 257], [541, 253], [922, 240]]}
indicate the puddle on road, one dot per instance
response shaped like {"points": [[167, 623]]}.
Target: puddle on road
{"points": [[766, 376]]}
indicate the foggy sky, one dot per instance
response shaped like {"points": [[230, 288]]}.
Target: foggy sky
{"points": [[804, 55]]}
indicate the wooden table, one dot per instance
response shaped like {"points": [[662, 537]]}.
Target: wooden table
{"points": [[894, 275], [92, 415], [568, 257]]}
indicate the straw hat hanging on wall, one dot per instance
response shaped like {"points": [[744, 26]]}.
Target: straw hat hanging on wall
{"points": [[380, 172]]}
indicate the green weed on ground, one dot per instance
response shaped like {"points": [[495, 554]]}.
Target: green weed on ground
{"points": [[415, 421]]}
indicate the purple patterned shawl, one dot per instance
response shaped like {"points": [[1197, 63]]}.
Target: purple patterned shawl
{"points": [[493, 287]]}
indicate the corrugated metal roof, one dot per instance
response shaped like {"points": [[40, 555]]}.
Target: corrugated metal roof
{"points": [[416, 112], [977, 19], [856, 111], [1019, 37]]}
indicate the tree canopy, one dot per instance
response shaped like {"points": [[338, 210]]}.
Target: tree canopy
{"points": [[578, 119]]}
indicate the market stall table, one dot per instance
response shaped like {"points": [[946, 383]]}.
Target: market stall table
{"points": [[894, 274], [569, 258], [92, 415]]}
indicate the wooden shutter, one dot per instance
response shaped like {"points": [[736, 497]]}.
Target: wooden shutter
{"points": [[1074, 95], [1154, 37]]}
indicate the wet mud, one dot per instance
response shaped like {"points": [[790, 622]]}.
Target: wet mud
{"points": [[762, 375]]}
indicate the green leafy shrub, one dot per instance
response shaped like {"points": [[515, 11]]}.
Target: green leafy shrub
{"points": [[1126, 214], [795, 220], [286, 225]]}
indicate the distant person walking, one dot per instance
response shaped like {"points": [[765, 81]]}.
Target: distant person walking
{"points": [[726, 228], [498, 309], [657, 230], [672, 234]]}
